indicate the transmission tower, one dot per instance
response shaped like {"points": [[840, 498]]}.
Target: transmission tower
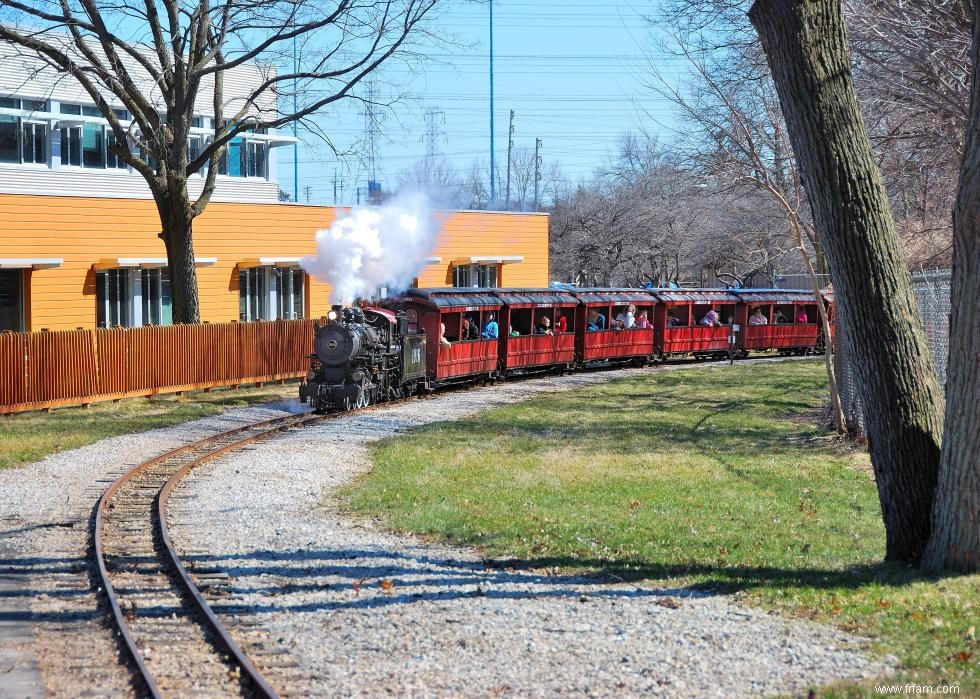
{"points": [[435, 135], [372, 132]]}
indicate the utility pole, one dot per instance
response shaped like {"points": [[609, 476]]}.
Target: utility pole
{"points": [[295, 128], [510, 148], [335, 186], [493, 174], [308, 191], [537, 171]]}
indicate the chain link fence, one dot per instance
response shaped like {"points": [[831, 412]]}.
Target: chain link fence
{"points": [[932, 295]]}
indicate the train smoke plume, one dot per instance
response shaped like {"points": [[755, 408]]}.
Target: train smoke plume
{"points": [[373, 247]]}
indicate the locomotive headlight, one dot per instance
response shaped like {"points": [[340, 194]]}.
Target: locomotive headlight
{"points": [[357, 375], [310, 375], [332, 315]]}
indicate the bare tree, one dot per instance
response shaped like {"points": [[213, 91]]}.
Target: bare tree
{"points": [[438, 179], [161, 61], [955, 541]]}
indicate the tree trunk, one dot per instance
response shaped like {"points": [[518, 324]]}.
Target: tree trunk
{"points": [[828, 349], [807, 50], [955, 542], [177, 217]]}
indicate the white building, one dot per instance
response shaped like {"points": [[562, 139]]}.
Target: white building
{"points": [[53, 139]]}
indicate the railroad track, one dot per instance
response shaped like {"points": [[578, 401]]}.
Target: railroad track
{"points": [[176, 642]]}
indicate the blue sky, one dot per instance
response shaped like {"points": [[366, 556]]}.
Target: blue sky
{"points": [[572, 71]]}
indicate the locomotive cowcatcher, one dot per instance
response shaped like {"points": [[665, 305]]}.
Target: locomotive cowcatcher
{"points": [[363, 356]]}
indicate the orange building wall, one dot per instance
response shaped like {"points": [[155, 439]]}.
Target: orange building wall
{"points": [[86, 230]]}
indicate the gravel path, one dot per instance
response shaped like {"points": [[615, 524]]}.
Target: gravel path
{"points": [[360, 612]]}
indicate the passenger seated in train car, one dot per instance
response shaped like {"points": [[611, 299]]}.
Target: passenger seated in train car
{"points": [[642, 321], [544, 326], [490, 330], [442, 335], [778, 317], [758, 318], [729, 320], [561, 325], [673, 321], [470, 331], [597, 321], [801, 316], [711, 319], [626, 319], [514, 333]]}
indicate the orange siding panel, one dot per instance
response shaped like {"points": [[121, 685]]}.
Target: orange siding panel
{"points": [[84, 231]]}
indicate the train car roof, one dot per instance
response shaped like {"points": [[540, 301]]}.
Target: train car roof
{"points": [[513, 297], [597, 295], [775, 295], [453, 297], [695, 295]]}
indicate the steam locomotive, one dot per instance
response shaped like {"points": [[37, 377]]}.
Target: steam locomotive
{"points": [[429, 338], [360, 357]]}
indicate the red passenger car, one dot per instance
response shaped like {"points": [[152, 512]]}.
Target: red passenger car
{"points": [[598, 337], [459, 353], [776, 319], [537, 328], [680, 325]]}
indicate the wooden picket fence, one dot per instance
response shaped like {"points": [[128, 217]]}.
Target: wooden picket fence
{"points": [[78, 367]]}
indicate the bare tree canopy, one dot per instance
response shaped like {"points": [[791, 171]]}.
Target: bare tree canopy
{"points": [[152, 68]]}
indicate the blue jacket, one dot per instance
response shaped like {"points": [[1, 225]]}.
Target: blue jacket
{"points": [[490, 330]]}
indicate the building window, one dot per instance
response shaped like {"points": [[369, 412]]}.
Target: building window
{"points": [[71, 145], [130, 298], [12, 300], [93, 146], [254, 159], [113, 160], [244, 159], [475, 276], [155, 289], [114, 297], [9, 152], [34, 143], [23, 141], [271, 293]]}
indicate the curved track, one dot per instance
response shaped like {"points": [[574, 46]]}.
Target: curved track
{"points": [[176, 641]]}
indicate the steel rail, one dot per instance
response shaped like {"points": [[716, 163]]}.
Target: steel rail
{"points": [[267, 427], [262, 687]]}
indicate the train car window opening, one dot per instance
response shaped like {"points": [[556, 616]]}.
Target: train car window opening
{"points": [[412, 315], [453, 323], [520, 321], [539, 323], [569, 314], [782, 313], [812, 314], [678, 315]]}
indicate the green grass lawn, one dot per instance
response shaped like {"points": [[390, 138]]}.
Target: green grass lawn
{"points": [[27, 437], [719, 478]]}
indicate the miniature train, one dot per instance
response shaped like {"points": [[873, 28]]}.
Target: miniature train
{"points": [[428, 338]]}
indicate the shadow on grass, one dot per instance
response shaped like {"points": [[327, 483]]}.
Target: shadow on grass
{"points": [[730, 579]]}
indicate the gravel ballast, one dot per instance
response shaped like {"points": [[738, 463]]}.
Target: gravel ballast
{"points": [[362, 612]]}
